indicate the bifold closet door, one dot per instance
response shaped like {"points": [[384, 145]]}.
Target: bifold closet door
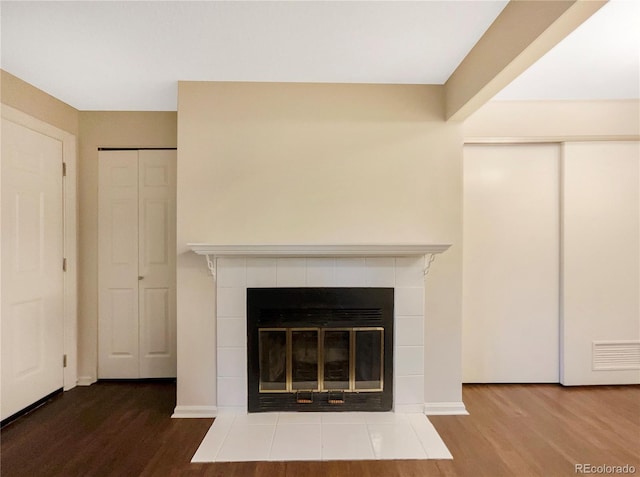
{"points": [[157, 263], [32, 276], [136, 230], [118, 351], [511, 263]]}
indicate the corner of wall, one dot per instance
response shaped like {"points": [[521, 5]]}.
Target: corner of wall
{"points": [[33, 101]]}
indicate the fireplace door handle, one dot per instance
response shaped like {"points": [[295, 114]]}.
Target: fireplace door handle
{"points": [[304, 397], [336, 397]]}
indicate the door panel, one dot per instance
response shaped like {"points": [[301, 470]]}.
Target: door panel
{"points": [[27, 327], [124, 325], [156, 215], [511, 263], [118, 264], [32, 276], [29, 212], [157, 186], [601, 263], [156, 309]]}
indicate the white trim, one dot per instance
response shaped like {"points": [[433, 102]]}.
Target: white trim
{"points": [[408, 408], [428, 260], [353, 250], [232, 410], [86, 380], [181, 412], [451, 408], [69, 155], [490, 140]]}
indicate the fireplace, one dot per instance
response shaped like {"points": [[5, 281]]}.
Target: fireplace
{"points": [[215, 377], [320, 349]]}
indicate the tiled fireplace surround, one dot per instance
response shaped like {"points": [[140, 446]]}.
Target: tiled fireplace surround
{"points": [[406, 274]]}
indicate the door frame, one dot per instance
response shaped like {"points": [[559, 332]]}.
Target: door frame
{"points": [[69, 225]]}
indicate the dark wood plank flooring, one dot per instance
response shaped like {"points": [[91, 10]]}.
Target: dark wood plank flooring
{"points": [[124, 429]]}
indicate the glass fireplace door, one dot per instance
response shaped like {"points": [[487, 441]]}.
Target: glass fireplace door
{"points": [[337, 358], [273, 360], [321, 359], [304, 359]]}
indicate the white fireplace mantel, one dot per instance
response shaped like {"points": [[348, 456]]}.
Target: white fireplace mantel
{"points": [[237, 268], [353, 250], [212, 251]]}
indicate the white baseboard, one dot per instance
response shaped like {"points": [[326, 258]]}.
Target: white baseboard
{"points": [[451, 408], [408, 408], [194, 411], [86, 380], [232, 410]]}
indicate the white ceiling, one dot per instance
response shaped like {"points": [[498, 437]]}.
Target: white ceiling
{"points": [[599, 60], [120, 55]]}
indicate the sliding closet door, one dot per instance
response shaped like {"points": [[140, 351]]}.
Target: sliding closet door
{"points": [[601, 263], [511, 263]]}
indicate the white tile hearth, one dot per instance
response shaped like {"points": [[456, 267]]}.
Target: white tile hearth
{"points": [[346, 442], [297, 442], [317, 436]]}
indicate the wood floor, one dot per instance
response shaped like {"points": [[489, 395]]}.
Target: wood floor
{"points": [[124, 429]]}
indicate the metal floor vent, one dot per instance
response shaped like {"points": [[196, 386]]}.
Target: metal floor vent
{"points": [[616, 355]]}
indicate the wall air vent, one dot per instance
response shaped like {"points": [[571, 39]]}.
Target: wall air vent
{"points": [[616, 355]]}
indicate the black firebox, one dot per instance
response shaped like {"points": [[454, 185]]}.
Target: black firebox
{"points": [[320, 349]]}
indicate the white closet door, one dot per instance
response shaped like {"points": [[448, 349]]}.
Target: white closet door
{"points": [[32, 276], [118, 353], [511, 263], [157, 267], [137, 230], [601, 263]]}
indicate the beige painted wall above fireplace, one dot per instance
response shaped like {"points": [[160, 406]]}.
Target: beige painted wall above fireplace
{"points": [[310, 164]]}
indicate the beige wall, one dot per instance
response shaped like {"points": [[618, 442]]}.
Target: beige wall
{"points": [[35, 102], [105, 129], [510, 121], [316, 163]]}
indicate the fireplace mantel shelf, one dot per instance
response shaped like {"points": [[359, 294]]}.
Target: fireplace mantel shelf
{"points": [[350, 250], [213, 251]]}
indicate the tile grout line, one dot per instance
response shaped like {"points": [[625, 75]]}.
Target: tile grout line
{"points": [[415, 432], [373, 449], [441, 440], [273, 436], [226, 434], [321, 441]]}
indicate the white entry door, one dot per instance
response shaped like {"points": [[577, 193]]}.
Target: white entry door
{"points": [[32, 276], [136, 223]]}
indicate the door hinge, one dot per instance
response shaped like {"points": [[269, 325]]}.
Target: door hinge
{"points": [[64, 360], [64, 264], [64, 169]]}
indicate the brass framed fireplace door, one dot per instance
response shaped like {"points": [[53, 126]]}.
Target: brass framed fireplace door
{"points": [[314, 349]]}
